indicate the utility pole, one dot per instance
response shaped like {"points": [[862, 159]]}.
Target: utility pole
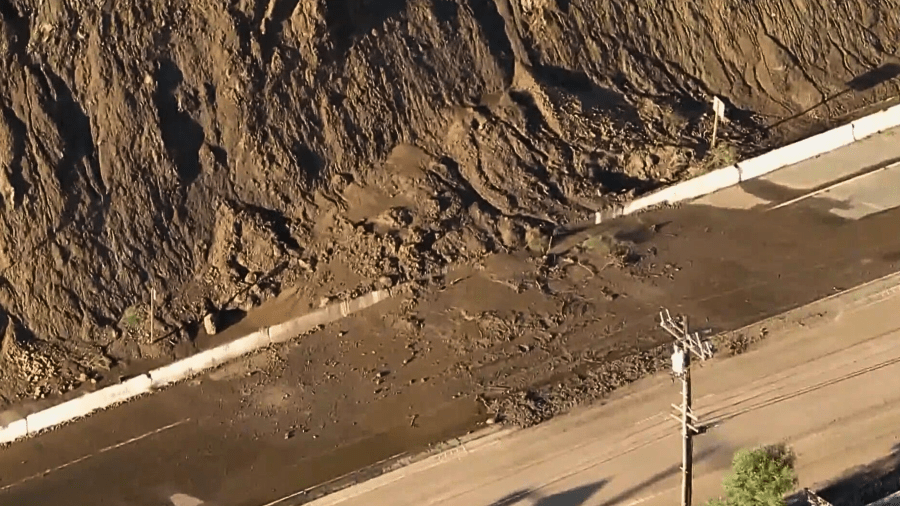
{"points": [[686, 344]]}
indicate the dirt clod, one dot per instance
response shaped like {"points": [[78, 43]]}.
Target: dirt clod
{"points": [[210, 324]]}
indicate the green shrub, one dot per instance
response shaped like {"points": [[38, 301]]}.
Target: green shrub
{"points": [[759, 477]]}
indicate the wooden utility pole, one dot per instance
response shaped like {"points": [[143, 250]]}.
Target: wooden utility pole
{"points": [[687, 442], [686, 344]]}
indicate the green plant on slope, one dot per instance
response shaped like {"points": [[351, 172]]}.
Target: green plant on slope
{"points": [[720, 156], [132, 317], [759, 477]]}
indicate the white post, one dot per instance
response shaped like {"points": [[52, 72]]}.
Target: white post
{"points": [[152, 312]]}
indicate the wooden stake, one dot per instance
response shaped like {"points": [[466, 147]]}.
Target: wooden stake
{"points": [[715, 131], [152, 299]]}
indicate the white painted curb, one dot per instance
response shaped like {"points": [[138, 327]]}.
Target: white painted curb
{"points": [[755, 167], [875, 123], [797, 152], [195, 364], [13, 430], [689, 189], [87, 404], [183, 369]]}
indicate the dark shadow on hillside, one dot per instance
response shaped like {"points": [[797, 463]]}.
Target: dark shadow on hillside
{"points": [[274, 25], [181, 134], [350, 20], [590, 94], [225, 317], [862, 485], [858, 84]]}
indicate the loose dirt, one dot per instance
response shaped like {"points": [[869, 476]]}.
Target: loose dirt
{"points": [[218, 153]]}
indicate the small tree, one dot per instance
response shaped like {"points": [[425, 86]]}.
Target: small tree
{"points": [[759, 477]]}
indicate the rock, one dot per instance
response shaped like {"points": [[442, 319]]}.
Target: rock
{"points": [[251, 278], [209, 324], [386, 281], [248, 304], [270, 292], [161, 328], [57, 254]]}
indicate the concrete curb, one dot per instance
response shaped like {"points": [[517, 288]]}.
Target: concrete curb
{"points": [[195, 364], [86, 404], [14, 430], [182, 369], [761, 165]]}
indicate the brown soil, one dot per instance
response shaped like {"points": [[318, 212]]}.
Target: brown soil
{"points": [[214, 152]]}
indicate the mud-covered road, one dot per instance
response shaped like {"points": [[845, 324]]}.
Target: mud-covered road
{"points": [[217, 153], [522, 338]]}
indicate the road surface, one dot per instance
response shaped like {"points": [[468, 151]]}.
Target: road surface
{"points": [[828, 389], [405, 374]]}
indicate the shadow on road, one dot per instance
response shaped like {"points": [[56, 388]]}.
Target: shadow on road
{"points": [[574, 497], [580, 495], [862, 485]]}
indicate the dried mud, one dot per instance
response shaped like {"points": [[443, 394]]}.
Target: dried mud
{"points": [[217, 152]]}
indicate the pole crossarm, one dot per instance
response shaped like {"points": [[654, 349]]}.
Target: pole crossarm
{"points": [[678, 328], [695, 426], [681, 421], [690, 413]]}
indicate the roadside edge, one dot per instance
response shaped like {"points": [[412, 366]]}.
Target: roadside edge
{"points": [[180, 370], [752, 168]]}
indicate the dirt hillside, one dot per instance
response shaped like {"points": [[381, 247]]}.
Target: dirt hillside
{"points": [[198, 148]]}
